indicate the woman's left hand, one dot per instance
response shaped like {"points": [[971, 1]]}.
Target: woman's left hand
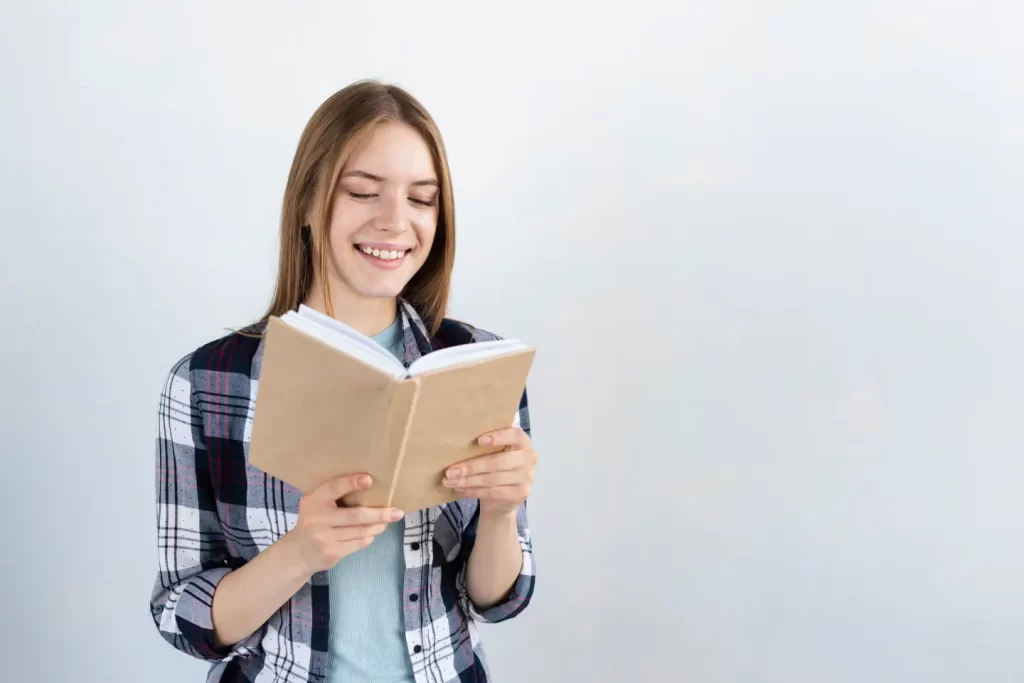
{"points": [[501, 480]]}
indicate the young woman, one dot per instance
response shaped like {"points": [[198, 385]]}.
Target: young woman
{"points": [[271, 585]]}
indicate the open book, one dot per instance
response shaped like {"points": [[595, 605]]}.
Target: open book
{"points": [[331, 401]]}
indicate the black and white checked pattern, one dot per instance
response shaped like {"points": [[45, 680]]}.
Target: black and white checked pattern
{"points": [[215, 512]]}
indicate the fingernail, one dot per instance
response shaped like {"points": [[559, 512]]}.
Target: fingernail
{"points": [[396, 515], [454, 473], [486, 440], [363, 481]]}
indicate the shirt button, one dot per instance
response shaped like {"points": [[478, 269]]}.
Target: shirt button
{"points": [[413, 597], [417, 649], [415, 546]]}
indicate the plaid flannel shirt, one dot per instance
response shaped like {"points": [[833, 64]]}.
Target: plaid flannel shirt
{"points": [[215, 512]]}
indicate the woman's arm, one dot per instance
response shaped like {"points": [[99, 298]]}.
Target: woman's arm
{"points": [[247, 597], [501, 547], [323, 534], [495, 561], [193, 556], [199, 604]]}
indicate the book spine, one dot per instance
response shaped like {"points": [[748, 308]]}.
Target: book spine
{"points": [[405, 438]]}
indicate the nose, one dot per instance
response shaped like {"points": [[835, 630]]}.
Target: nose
{"points": [[392, 216]]}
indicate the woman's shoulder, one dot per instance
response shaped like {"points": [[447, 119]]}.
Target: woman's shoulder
{"points": [[453, 332], [231, 353]]}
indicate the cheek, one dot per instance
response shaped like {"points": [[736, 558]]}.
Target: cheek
{"points": [[425, 232], [345, 221]]}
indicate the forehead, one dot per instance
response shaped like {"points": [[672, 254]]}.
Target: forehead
{"points": [[395, 151]]}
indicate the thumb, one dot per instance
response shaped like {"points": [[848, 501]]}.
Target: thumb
{"points": [[335, 489]]}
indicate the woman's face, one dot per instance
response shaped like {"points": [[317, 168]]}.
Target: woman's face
{"points": [[385, 213]]}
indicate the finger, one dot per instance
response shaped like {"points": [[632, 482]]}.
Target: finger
{"points": [[494, 462], [353, 533], [510, 436], [339, 487], [359, 516], [489, 479], [508, 494]]}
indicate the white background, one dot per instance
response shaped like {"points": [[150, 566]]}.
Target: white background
{"points": [[770, 253]]}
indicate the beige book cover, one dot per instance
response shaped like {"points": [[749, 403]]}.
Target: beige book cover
{"points": [[332, 402]]}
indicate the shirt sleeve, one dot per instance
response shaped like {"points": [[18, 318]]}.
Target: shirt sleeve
{"points": [[192, 554], [518, 597]]}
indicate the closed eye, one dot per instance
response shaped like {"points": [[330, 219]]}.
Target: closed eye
{"points": [[417, 202]]}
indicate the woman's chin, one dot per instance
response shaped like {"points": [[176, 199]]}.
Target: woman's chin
{"points": [[380, 290]]}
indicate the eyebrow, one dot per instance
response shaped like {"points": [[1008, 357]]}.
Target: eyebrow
{"points": [[376, 178]]}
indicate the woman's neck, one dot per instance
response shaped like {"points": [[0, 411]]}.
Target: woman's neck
{"points": [[369, 315]]}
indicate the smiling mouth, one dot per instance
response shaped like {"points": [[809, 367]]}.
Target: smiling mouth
{"points": [[388, 256]]}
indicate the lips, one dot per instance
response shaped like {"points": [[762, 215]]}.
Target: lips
{"points": [[382, 255]]}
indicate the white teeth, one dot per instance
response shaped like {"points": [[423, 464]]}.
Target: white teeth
{"points": [[384, 255]]}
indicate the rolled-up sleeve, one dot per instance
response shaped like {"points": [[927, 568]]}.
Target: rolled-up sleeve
{"points": [[518, 597], [190, 540]]}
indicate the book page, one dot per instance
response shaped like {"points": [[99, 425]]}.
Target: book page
{"points": [[341, 328], [366, 352], [464, 354]]}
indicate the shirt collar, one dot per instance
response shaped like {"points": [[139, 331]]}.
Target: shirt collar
{"points": [[417, 341]]}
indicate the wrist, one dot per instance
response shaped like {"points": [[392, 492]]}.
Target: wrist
{"points": [[291, 558], [498, 517]]}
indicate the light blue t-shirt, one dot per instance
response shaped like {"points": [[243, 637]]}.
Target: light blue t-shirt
{"points": [[367, 626]]}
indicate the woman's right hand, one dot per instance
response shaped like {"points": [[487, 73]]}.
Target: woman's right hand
{"points": [[323, 534], [326, 532]]}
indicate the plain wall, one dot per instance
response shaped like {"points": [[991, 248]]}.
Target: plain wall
{"points": [[770, 254]]}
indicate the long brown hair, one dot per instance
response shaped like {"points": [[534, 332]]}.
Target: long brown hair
{"points": [[335, 128]]}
